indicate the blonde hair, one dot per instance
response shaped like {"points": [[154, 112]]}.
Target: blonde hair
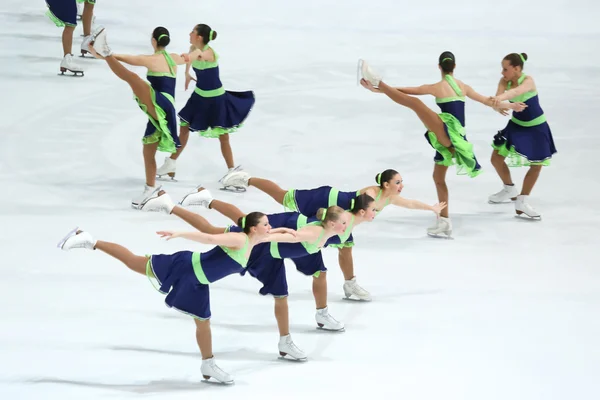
{"points": [[332, 214]]}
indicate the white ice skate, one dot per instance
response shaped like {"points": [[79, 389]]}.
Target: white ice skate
{"points": [[197, 198], [508, 193], [166, 172], [236, 181], [288, 348], [232, 186], [67, 64], [87, 40], [99, 43], [354, 292], [368, 73], [524, 209], [163, 203], [149, 192], [210, 369], [327, 322], [77, 239], [441, 229]]}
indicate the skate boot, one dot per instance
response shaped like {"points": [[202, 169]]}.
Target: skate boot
{"points": [[368, 74], [149, 192], [198, 197], [508, 193], [353, 291], [210, 369], [233, 185], [327, 322], [163, 203], [441, 229], [67, 64], [523, 208], [77, 239], [236, 181], [99, 43], [167, 170], [288, 348], [87, 39]]}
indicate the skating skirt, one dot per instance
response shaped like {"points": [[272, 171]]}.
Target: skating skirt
{"points": [[174, 274], [524, 146], [308, 201], [463, 155], [215, 116], [271, 272], [163, 130], [62, 12]]}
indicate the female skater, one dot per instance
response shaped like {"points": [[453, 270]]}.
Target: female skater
{"points": [[185, 276], [308, 201], [156, 98], [266, 261], [526, 140], [64, 15], [445, 131], [211, 110]]}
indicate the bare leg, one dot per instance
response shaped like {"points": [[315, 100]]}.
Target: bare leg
{"points": [[150, 161], [501, 168], [320, 290], [346, 262], [140, 88], [133, 262], [226, 150], [86, 18], [282, 315], [184, 135], [227, 209], [439, 178], [204, 338], [429, 118], [530, 179], [197, 221], [269, 187], [67, 39]]}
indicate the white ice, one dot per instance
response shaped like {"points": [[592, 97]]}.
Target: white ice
{"points": [[508, 310]]}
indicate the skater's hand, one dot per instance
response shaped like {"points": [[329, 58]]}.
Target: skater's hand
{"points": [[188, 79], [437, 208], [519, 106], [367, 85], [168, 235], [501, 111]]}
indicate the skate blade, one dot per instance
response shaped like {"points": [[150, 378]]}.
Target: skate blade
{"points": [[356, 299], [63, 240], [166, 178], [436, 236], [233, 189], [320, 328], [216, 382], [289, 358], [526, 217], [501, 202], [78, 74]]}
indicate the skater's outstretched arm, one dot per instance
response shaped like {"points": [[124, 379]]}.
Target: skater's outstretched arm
{"points": [[417, 205], [139, 61], [420, 90], [488, 101], [527, 85], [235, 240]]}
